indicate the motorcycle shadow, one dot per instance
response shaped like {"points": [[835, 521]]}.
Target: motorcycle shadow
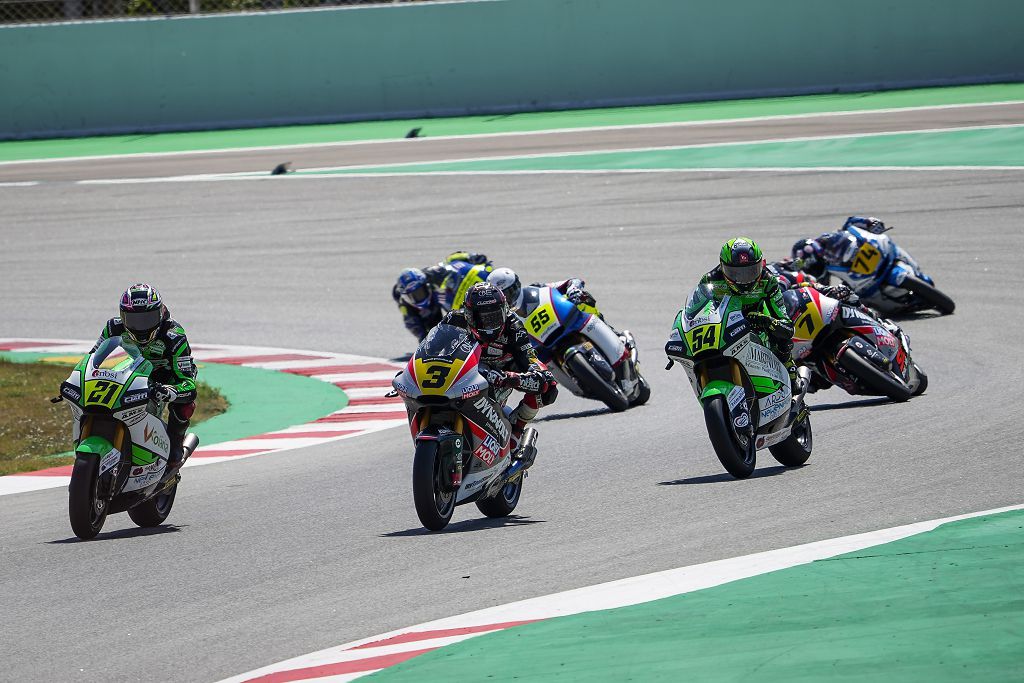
{"points": [[571, 416], [861, 403], [133, 532], [725, 476], [915, 315], [478, 524]]}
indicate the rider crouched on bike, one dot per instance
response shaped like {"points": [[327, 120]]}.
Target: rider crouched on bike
{"points": [[574, 289], [146, 324], [807, 268], [423, 295], [741, 273], [510, 360]]}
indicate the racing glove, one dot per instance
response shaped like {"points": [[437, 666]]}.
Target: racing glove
{"points": [[164, 392], [841, 292], [579, 296]]}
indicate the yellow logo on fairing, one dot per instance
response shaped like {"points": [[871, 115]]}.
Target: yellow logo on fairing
{"points": [[866, 260], [703, 337], [435, 377], [809, 324], [542, 318]]}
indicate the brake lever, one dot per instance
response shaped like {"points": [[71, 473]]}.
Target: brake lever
{"points": [[670, 364], [57, 399]]}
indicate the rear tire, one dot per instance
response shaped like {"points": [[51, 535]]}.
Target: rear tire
{"points": [[929, 294], [154, 511], [434, 506], [737, 461], [502, 504], [877, 380], [86, 511], [794, 451], [595, 386]]}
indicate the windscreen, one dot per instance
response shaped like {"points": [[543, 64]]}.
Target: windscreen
{"points": [[443, 341]]}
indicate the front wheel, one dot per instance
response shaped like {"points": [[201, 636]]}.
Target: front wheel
{"points": [[595, 386], [504, 502], [794, 451], [154, 511], [645, 390], [737, 457], [434, 504], [878, 381], [922, 380], [86, 509], [929, 294]]}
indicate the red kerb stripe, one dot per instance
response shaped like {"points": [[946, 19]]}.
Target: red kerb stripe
{"points": [[62, 471], [338, 369], [368, 664], [373, 400], [442, 633], [304, 435], [11, 346], [270, 358], [353, 417], [362, 383]]}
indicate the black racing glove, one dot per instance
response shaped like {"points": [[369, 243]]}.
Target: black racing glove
{"points": [[579, 296], [760, 320], [841, 292]]}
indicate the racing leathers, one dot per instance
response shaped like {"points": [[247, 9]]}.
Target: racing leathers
{"points": [[511, 363], [418, 321], [444, 279], [765, 309], [173, 378]]}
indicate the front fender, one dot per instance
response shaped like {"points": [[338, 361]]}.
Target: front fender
{"points": [[717, 387], [94, 445]]}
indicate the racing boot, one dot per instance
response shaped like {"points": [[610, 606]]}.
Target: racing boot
{"points": [[176, 432], [795, 383]]}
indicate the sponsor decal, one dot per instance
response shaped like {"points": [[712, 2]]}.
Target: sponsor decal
{"points": [[671, 348], [883, 338], [150, 434], [70, 392], [156, 348], [105, 374], [741, 421], [734, 317], [133, 416], [186, 366], [488, 450], [761, 355], [109, 460], [494, 419], [136, 471], [735, 396], [473, 389]]}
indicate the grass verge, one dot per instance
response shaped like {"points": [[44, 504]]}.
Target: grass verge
{"points": [[32, 429]]}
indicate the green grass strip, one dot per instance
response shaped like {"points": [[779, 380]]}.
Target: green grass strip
{"points": [[947, 605]]}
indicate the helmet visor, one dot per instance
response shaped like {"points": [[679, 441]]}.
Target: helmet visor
{"points": [[745, 275], [417, 296], [489, 321], [142, 324]]}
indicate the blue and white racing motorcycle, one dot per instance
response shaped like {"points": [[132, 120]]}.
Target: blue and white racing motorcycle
{"points": [[582, 351], [884, 275]]}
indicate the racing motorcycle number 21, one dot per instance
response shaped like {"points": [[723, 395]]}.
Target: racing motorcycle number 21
{"points": [[101, 392]]}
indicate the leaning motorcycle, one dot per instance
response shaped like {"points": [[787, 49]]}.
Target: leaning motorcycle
{"points": [[582, 351], [885, 276], [743, 388], [847, 347], [121, 442], [461, 431]]}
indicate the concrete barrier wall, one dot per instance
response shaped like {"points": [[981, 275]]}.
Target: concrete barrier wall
{"points": [[487, 56]]}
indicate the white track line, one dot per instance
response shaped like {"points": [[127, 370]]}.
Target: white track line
{"points": [[427, 139], [603, 596], [261, 357]]}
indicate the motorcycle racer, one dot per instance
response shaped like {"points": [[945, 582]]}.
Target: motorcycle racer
{"points": [[506, 351], [146, 323], [741, 273], [424, 295]]}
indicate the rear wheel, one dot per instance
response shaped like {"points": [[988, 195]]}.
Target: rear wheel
{"points": [[595, 386], [737, 457], [86, 509], [878, 381], [929, 294], [154, 511], [434, 502], [502, 504], [794, 451]]}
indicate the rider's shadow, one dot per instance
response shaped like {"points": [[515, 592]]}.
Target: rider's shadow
{"points": [[132, 532], [467, 525], [862, 403], [915, 315], [571, 416], [725, 476]]}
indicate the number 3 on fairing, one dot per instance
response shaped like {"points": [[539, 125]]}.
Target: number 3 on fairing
{"points": [[437, 376]]}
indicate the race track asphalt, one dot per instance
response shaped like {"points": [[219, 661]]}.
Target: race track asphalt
{"points": [[270, 558]]}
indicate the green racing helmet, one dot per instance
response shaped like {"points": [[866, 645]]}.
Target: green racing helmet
{"points": [[742, 264]]}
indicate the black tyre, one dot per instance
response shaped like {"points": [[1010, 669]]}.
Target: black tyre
{"points": [[929, 294], [645, 391], [154, 511], [922, 381], [595, 386], [434, 505], [794, 451], [504, 502], [876, 380], [737, 458], [87, 511]]}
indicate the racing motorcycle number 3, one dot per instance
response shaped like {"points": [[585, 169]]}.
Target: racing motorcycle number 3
{"points": [[540, 320], [436, 376], [866, 260], [700, 338]]}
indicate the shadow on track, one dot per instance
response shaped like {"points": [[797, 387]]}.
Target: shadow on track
{"points": [[725, 476], [133, 532], [862, 403], [479, 524], [571, 416]]}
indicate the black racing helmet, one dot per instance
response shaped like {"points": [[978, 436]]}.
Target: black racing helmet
{"points": [[486, 311], [142, 312]]}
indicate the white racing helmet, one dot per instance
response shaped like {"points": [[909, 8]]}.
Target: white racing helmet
{"points": [[507, 281]]}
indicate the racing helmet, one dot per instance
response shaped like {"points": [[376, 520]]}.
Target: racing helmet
{"points": [[415, 289], [742, 264], [808, 257], [838, 247], [486, 311], [142, 312], [508, 282], [869, 223]]}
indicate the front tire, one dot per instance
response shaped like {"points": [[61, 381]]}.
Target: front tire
{"points": [[922, 381], [738, 460], [794, 451], [434, 505], [154, 511], [875, 379], [645, 391], [502, 504], [929, 294], [85, 508], [595, 386]]}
